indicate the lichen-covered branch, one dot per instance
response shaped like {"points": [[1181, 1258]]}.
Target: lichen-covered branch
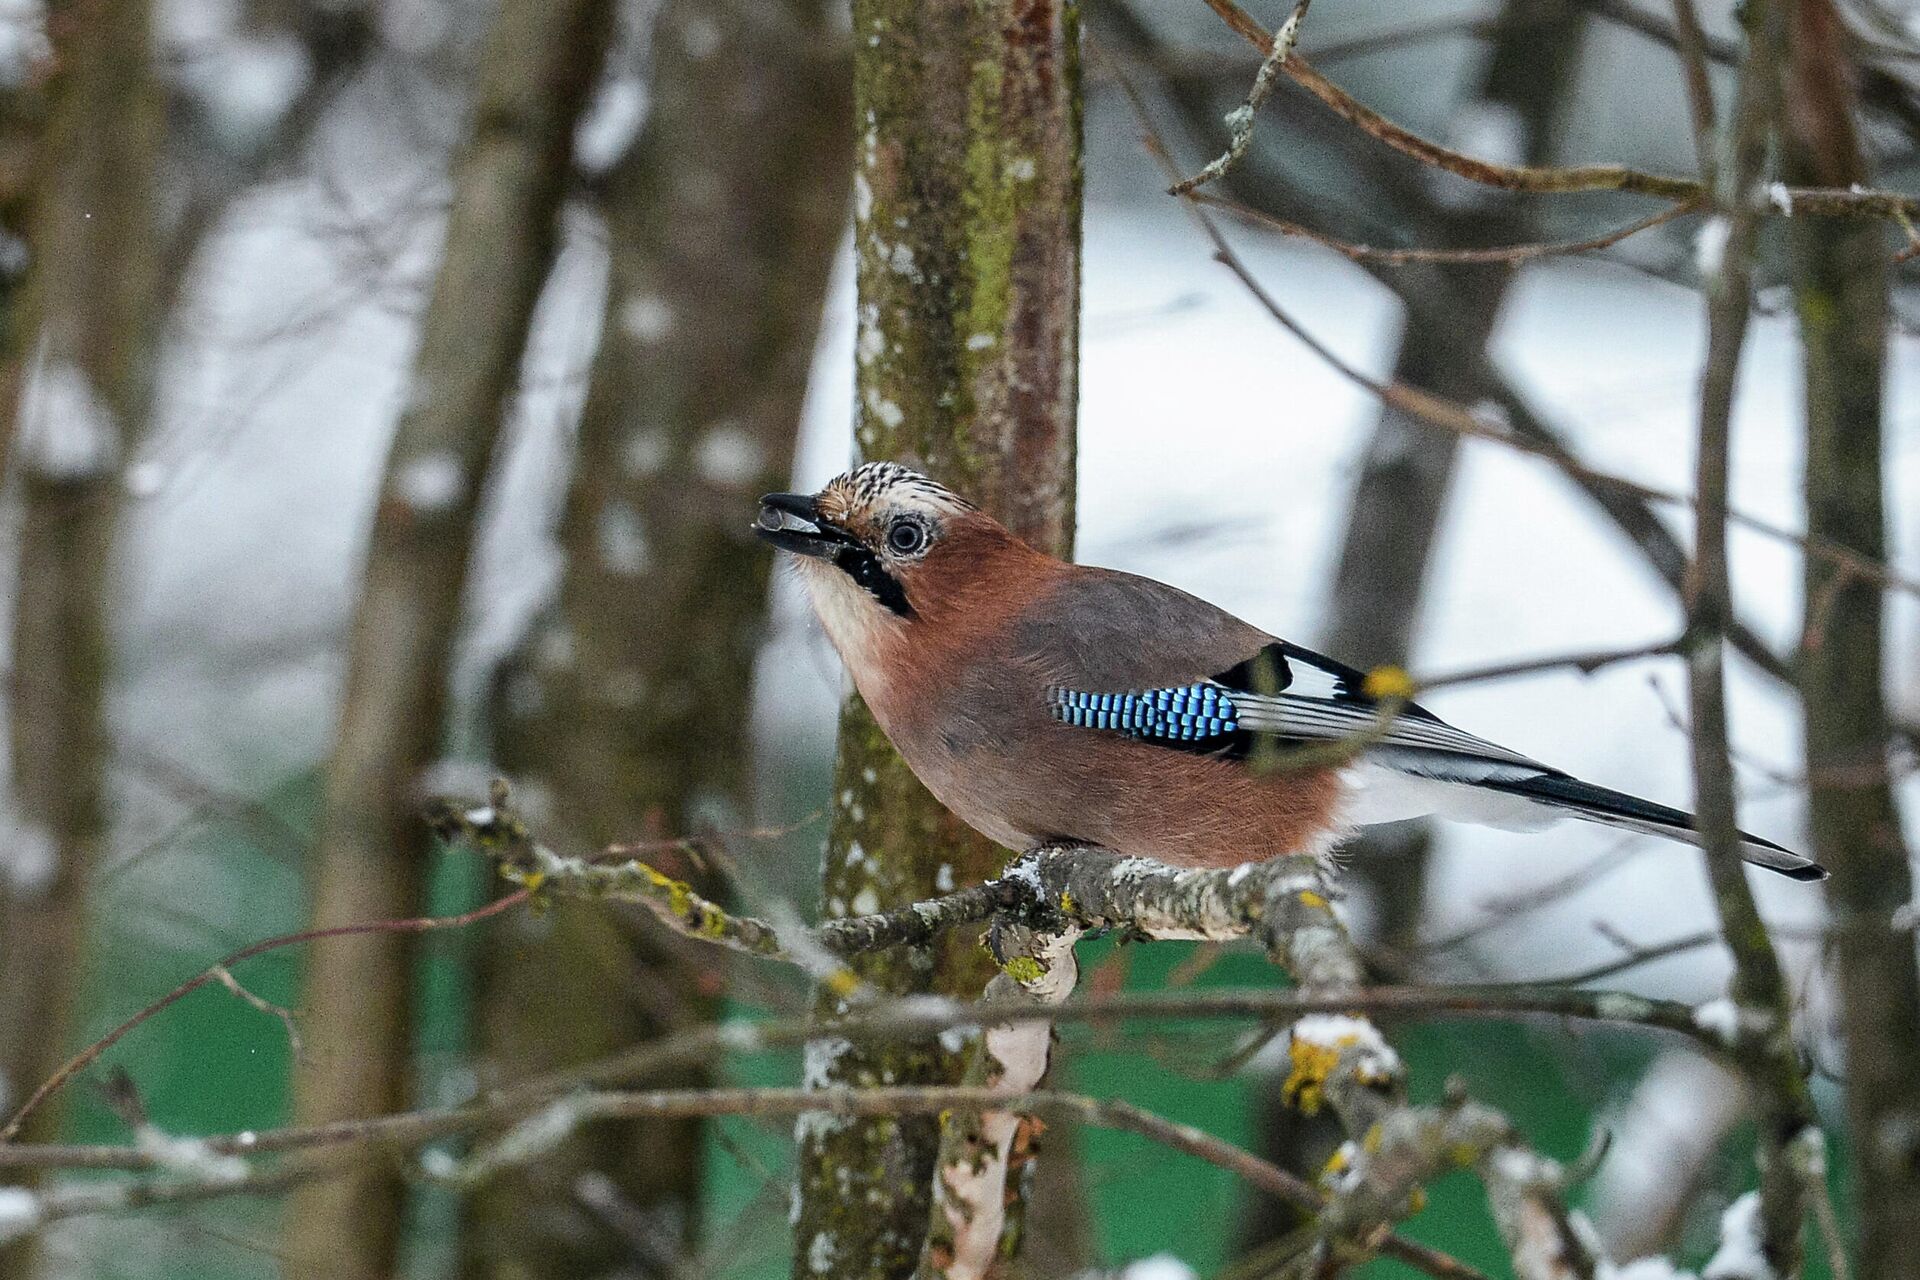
{"points": [[1339, 1061], [1856, 202], [1240, 119]]}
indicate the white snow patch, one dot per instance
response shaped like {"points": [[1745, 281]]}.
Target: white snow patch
{"points": [[1649, 1268], [29, 860], [643, 453], [190, 1157], [1338, 1030], [431, 482], [69, 433], [700, 36], [23, 41], [1710, 246], [728, 456], [820, 1253], [247, 86], [1720, 1017], [19, 1213], [819, 1059], [1740, 1255], [144, 479], [611, 125], [1779, 197], [866, 902], [646, 317], [890, 414], [980, 341], [943, 878], [622, 540], [1026, 873], [1161, 1266]]}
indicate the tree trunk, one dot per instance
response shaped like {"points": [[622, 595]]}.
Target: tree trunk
{"points": [[81, 398], [1840, 283], [629, 710], [967, 235], [369, 864]]}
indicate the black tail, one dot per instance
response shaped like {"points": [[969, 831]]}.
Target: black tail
{"points": [[1629, 813]]}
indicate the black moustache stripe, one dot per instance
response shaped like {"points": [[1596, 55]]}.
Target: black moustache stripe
{"points": [[864, 567]]}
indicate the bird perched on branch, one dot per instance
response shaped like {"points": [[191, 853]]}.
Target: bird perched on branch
{"points": [[1046, 702]]}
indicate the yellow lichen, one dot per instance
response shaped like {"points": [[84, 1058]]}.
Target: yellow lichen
{"points": [[842, 982], [1312, 1062], [680, 896], [1066, 901], [1312, 899], [1024, 970]]}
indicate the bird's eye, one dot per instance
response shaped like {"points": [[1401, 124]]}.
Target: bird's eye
{"points": [[907, 538]]}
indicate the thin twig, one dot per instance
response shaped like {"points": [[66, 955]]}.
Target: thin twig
{"points": [[1825, 201], [212, 973], [1507, 255], [1240, 119]]}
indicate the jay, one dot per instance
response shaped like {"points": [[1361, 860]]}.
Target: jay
{"points": [[1051, 703]]}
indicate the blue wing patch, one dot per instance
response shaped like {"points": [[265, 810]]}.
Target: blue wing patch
{"points": [[1197, 712]]}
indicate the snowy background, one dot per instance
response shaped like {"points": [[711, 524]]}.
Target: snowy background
{"points": [[1216, 453]]}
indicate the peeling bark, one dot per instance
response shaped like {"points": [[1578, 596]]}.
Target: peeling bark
{"points": [[1840, 278], [371, 856], [967, 238]]}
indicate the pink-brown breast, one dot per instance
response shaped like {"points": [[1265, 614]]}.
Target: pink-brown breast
{"points": [[967, 705]]}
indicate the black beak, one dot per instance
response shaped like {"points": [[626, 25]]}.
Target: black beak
{"points": [[792, 522]]}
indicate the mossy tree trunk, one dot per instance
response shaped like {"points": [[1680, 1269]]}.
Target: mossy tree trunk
{"points": [[80, 397], [628, 707], [967, 236], [541, 58], [1840, 271]]}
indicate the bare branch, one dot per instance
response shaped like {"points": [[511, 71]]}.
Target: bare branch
{"points": [[1240, 119]]}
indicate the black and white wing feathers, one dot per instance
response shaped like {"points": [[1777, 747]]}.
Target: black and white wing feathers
{"points": [[1291, 696]]}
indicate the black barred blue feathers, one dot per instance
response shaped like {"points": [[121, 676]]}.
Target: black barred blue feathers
{"points": [[1192, 713]]}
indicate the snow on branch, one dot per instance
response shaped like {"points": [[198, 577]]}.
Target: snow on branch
{"points": [[1034, 913]]}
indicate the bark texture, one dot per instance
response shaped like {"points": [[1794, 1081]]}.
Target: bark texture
{"points": [[1840, 283], [967, 237], [629, 706], [540, 60], [78, 406]]}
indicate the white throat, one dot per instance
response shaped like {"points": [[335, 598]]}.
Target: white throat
{"points": [[863, 631]]}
